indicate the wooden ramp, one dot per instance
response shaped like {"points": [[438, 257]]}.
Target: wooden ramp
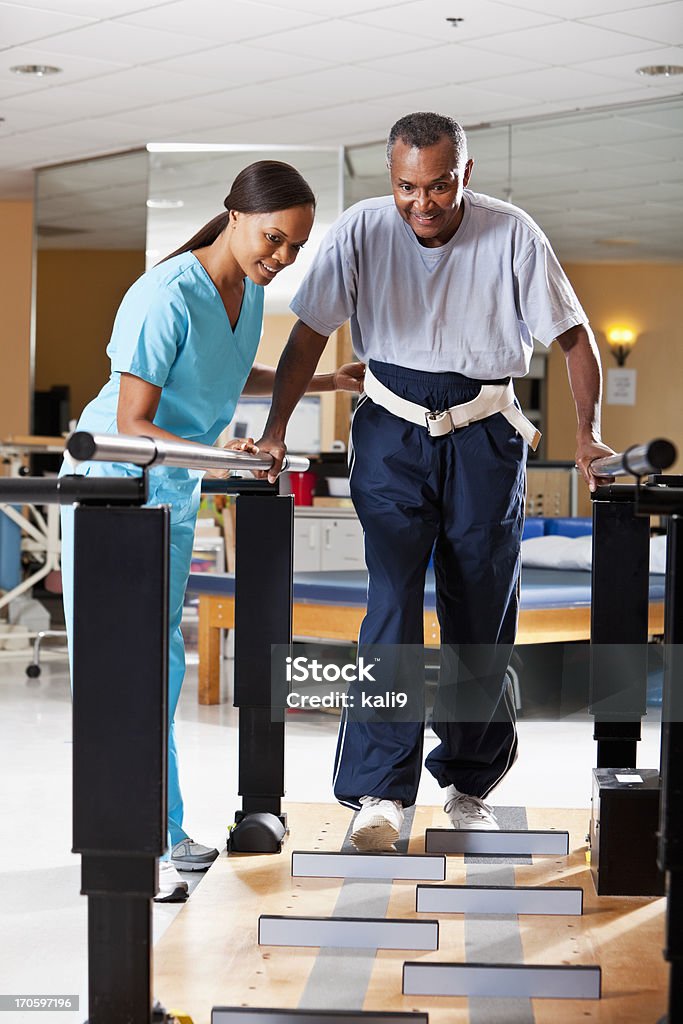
{"points": [[210, 955]]}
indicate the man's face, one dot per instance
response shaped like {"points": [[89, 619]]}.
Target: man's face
{"points": [[427, 185]]}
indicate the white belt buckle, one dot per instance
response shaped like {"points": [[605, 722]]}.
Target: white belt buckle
{"points": [[439, 423]]}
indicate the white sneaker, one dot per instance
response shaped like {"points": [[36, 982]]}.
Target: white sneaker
{"points": [[190, 856], [172, 888], [469, 811], [377, 825]]}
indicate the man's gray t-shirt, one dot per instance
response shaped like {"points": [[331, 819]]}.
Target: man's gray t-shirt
{"points": [[473, 305]]}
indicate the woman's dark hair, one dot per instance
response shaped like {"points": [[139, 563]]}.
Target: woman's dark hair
{"points": [[263, 187]]}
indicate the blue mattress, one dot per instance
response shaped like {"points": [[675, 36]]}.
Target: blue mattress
{"points": [[541, 588]]}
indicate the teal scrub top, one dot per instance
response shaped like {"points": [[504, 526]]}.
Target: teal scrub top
{"points": [[172, 330]]}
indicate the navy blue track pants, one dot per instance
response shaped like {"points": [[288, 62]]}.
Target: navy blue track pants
{"points": [[462, 497]]}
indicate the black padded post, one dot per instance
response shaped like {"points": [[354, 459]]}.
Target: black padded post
{"points": [[263, 617], [120, 680], [619, 626], [671, 809]]}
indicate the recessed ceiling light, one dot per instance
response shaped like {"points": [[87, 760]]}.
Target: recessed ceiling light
{"points": [[38, 70], [660, 70], [165, 204]]}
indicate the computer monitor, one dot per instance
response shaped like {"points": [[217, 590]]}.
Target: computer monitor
{"points": [[303, 432]]}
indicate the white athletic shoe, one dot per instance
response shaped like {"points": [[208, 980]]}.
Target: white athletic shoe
{"points": [[172, 888], [190, 856], [377, 825], [469, 811]]}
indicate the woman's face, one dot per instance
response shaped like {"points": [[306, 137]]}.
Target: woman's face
{"points": [[265, 243]]}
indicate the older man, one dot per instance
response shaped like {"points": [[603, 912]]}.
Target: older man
{"points": [[445, 290]]}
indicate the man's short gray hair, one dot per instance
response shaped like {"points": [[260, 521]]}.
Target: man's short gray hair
{"points": [[424, 129]]}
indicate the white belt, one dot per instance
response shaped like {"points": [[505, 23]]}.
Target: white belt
{"points": [[492, 398]]}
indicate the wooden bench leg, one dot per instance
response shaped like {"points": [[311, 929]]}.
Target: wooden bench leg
{"points": [[209, 655]]}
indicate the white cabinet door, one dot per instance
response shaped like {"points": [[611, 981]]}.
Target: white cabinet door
{"points": [[342, 545], [307, 534]]}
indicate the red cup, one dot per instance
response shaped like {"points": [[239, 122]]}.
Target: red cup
{"points": [[303, 485]]}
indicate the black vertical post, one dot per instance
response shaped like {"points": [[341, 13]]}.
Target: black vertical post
{"points": [[263, 617], [619, 625], [671, 809], [120, 728]]}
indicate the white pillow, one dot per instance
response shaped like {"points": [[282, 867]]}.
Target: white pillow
{"points": [[556, 552]]}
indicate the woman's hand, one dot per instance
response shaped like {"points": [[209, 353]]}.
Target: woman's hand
{"points": [[237, 444], [349, 377]]}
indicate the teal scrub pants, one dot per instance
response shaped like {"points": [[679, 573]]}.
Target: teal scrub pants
{"points": [[182, 539]]}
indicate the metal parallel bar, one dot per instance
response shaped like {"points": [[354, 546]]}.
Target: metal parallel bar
{"points": [[120, 671], [638, 460], [619, 630], [146, 451]]}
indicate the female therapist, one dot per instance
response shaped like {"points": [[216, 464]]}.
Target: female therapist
{"points": [[182, 352]]}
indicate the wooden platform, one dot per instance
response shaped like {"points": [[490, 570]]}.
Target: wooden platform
{"points": [[209, 956], [342, 623]]}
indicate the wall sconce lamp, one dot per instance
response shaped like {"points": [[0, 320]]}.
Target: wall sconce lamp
{"points": [[621, 340]]}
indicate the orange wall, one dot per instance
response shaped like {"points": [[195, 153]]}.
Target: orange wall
{"points": [[16, 257], [78, 293], [648, 297]]}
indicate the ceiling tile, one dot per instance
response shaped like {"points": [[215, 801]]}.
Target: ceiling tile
{"points": [[22, 121], [567, 42], [181, 115], [240, 64], [552, 84], [625, 66], [350, 40], [90, 8], [427, 18], [124, 44], [344, 84], [239, 21], [69, 102], [454, 62], [342, 8], [277, 130], [19, 25], [578, 8], [257, 102], [662, 23], [77, 69], [148, 85]]}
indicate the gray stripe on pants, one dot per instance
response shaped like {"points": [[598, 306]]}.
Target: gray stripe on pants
{"points": [[345, 973], [493, 939]]}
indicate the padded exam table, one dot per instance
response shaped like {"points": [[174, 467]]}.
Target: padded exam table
{"points": [[554, 608]]}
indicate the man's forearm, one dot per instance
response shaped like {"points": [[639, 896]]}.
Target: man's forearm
{"points": [[294, 373], [585, 378], [261, 381]]}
